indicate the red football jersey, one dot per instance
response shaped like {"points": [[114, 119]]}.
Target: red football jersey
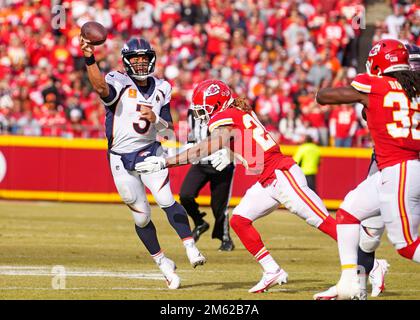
{"points": [[252, 143], [393, 120]]}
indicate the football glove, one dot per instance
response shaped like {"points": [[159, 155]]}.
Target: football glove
{"points": [[220, 159], [150, 165]]}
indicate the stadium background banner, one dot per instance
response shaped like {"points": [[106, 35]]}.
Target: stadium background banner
{"points": [[43, 168]]}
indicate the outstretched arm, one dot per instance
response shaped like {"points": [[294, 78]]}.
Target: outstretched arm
{"points": [[218, 139], [341, 95], [94, 74]]}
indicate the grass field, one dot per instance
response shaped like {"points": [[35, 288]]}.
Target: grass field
{"points": [[103, 258]]}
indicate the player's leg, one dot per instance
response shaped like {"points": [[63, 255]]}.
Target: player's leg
{"points": [[159, 186], [292, 191], [221, 188], [132, 192], [194, 181], [371, 231], [400, 207], [255, 204]]}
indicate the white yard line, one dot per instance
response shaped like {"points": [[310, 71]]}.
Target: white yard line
{"points": [[74, 272]]}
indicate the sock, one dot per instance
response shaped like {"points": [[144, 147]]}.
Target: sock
{"points": [[348, 236], [178, 219], [416, 256], [412, 251], [149, 237], [329, 226], [365, 260], [267, 262], [188, 242], [248, 235], [158, 257]]}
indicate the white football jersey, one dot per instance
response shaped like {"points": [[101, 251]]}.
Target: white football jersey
{"points": [[125, 129]]}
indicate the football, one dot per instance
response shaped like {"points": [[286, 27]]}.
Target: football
{"points": [[94, 32]]}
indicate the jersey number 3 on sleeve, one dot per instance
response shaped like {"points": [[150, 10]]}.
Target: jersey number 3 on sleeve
{"points": [[408, 124], [143, 125]]}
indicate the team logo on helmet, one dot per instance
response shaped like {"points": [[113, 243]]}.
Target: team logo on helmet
{"points": [[375, 50], [212, 90]]}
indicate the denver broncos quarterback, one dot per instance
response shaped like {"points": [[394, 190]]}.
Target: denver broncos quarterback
{"points": [[137, 109]]}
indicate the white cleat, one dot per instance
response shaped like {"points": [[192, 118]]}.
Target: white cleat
{"points": [[377, 276], [168, 267], [195, 257], [332, 294], [283, 277], [268, 280], [350, 289]]}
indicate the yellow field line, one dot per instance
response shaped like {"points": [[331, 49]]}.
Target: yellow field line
{"points": [[101, 144], [108, 197]]}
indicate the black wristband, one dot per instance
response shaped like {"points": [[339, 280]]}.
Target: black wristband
{"points": [[90, 60]]}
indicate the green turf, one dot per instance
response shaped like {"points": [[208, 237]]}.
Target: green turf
{"points": [[101, 237]]}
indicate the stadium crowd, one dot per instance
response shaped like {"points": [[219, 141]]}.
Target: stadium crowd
{"points": [[276, 53]]}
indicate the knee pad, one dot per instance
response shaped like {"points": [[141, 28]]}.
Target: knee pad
{"points": [[370, 238], [141, 219], [408, 251], [128, 195]]}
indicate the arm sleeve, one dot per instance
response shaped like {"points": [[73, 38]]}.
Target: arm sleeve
{"points": [[362, 83], [114, 80], [112, 94], [165, 113], [220, 122]]}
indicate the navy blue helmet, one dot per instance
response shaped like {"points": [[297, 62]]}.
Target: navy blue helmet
{"points": [[137, 47], [414, 56]]}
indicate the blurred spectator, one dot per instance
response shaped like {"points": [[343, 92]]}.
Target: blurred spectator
{"points": [[343, 125], [395, 21]]}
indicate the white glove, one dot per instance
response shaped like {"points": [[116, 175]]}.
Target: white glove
{"points": [[150, 165], [220, 159]]}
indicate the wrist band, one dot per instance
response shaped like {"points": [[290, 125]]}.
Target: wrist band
{"points": [[90, 60]]}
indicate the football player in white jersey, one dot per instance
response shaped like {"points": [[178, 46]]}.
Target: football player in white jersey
{"points": [[137, 108]]}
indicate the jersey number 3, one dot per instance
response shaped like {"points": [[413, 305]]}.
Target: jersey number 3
{"points": [[259, 134], [143, 125], [402, 116]]}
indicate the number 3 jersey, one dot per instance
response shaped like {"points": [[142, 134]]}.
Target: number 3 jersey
{"points": [[393, 120], [252, 143], [126, 130]]}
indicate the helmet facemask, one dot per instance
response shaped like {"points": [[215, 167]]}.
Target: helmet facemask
{"points": [[202, 113], [140, 70]]}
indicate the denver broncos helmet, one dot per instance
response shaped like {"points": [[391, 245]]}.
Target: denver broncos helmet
{"points": [[137, 47]]}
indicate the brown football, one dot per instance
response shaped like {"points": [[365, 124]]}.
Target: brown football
{"points": [[95, 32]]}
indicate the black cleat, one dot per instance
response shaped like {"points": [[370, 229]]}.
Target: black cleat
{"points": [[227, 245], [199, 230]]}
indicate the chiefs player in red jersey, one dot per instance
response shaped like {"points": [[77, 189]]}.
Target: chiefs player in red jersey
{"points": [[234, 125], [390, 92]]}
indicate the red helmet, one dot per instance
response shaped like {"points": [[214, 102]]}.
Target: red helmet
{"points": [[209, 97], [387, 55]]}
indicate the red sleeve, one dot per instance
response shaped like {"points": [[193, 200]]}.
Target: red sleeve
{"points": [[223, 118], [362, 83]]}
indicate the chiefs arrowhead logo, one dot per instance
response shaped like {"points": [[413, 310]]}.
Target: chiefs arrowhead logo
{"points": [[212, 90], [375, 50]]}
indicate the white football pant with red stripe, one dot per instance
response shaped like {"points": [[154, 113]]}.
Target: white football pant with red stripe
{"points": [[290, 189]]}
